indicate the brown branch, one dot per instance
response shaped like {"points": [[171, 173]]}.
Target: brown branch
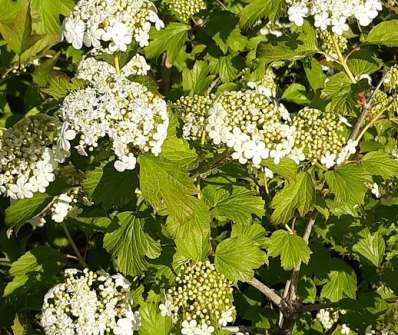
{"points": [[365, 111], [317, 307], [295, 273], [268, 292]]}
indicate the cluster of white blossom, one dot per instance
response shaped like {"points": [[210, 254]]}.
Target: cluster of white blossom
{"points": [[201, 301], [89, 303], [134, 119], [328, 317], [334, 13], [29, 155], [65, 205], [110, 25], [251, 126]]}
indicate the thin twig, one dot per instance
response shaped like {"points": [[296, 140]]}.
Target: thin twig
{"points": [[245, 329], [74, 247], [365, 111], [317, 307], [268, 292], [296, 270]]}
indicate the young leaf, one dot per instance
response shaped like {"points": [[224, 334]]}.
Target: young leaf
{"points": [[47, 13], [342, 282], [192, 236], [21, 211], [238, 257], [371, 247], [170, 40], [151, 321], [130, 245], [18, 35], [291, 248], [98, 183], [197, 79], [379, 163], [237, 204], [385, 33], [297, 194], [259, 9], [348, 184], [314, 73], [165, 184], [291, 47], [296, 93]]}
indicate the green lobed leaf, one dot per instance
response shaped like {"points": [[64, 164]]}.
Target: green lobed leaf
{"points": [[198, 79], [291, 248], [130, 246], [21, 211], [379, 163], [342, 282], [151, 321], [298, 193], [100, 182], [238, 257], [314, 73], [296, 93], [170, 40], [235, 203], [259, 9], [348, 184], [385, 33], [290, 47], [166, 185], [371, 247]]}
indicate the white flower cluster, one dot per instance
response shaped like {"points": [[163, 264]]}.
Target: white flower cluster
{"points": [[201, 301], [334, 13], [89, 303], [29, 156], [328, 317], [110, 25], [65, 205], [251, 126], [134, 119]]}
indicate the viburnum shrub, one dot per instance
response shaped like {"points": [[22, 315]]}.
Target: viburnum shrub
{"points": [[198, 167]]}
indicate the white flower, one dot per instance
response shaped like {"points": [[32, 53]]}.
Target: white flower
{"points": [[375, 190], [339, 25], [328, 160], [119, 36], [344, 120], [297, 13], [345, 329], [189, 327], [226, 317], [73, 32], [166, 308]]}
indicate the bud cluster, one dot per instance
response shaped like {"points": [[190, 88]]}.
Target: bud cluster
{"points": [[184, 10], [89, 303], [328, 317], [132, 117], [193, 111], [29, 155], [329, 42], [201, 301], [252, 126], [391, 79], [320, 136], [382, 103], [110, 26]]}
